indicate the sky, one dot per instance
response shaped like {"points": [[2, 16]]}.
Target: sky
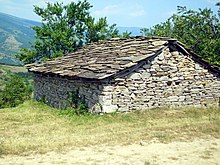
{"points": [[127, 13]]}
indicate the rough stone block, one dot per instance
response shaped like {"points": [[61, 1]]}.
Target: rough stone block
{"points": [[173, 98], [108, 88], [145, 75], [147, 66], [109, 108], [161, 57], [182, 98], [123, 109], [135, 76], [164, 78]]}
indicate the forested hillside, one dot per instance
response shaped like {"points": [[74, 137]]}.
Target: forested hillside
{"points": [[15, 33]]}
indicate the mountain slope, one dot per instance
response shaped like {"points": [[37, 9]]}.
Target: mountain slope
{"points": [[14, 34]]}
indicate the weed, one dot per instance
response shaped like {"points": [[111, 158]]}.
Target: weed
{"points": [[77, 103]]}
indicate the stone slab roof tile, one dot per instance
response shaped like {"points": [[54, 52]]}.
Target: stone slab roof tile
{"points": [[101, 59]]}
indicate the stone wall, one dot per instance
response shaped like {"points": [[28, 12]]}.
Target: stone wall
{"points": [[169, 80], [56, 91]]}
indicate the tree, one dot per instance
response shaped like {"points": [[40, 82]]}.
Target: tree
{"points": [[100, 30], [64, 29], [16, 91], [126, 34], [199, 30], [146, 32]]}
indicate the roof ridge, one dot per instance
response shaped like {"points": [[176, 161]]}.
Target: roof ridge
{"points": [[138, 37], [133, 38]]}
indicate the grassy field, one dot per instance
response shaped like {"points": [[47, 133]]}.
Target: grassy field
{"points": [[36, 128]]}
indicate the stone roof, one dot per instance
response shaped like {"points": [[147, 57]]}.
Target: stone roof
{"points": [[103, 59]]}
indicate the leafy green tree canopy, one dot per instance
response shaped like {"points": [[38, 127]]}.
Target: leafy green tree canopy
{"points": [[199, 30], [64, 29], [16, 91]]}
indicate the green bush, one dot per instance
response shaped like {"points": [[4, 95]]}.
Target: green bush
{"points": [[77, 104], [16, 90]]}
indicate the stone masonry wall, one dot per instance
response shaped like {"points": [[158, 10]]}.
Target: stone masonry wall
{"points": [[56, 91], [169, 80]]}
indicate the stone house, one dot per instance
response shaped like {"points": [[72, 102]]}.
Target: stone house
{"points": [[128, 74]]}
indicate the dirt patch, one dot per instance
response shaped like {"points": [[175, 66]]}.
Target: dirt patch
{"points": [[199, 151]]}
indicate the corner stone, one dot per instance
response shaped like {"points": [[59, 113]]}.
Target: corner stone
{"points": [[109, 108]]}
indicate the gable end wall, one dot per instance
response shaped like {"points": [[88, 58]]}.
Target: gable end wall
{"points": [[170, 80]]}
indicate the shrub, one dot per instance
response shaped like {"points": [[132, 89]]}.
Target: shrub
{"points": [[15, 92], [77, 103]]}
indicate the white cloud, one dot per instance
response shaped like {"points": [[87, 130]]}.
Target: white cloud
{"points": [[120, 10], [213, 1], [108, 10], [136, 11], [24, 8]]}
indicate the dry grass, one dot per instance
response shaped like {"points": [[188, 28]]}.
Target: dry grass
{"points": [[34, 127]]}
